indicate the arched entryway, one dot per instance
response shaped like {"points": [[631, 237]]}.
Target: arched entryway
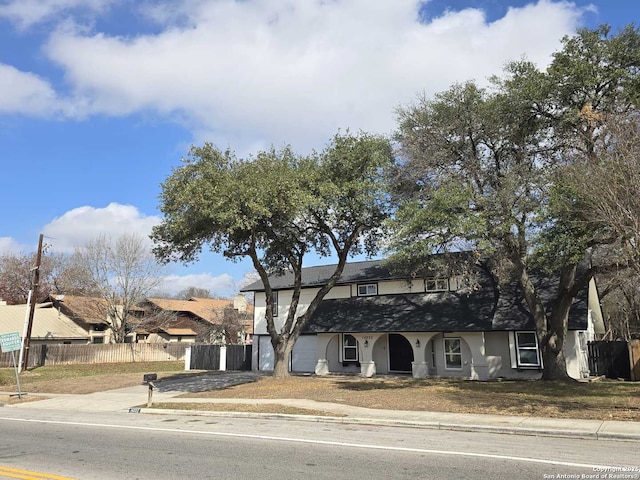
{"points": [[400, 354]]}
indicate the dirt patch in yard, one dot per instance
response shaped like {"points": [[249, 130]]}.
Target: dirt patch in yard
{"points": [[252, 408], [14, 399]]}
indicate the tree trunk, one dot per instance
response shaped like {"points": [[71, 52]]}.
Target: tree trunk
{"points": [[555, 365], [281, 353], [554, 361], [553, 349]]}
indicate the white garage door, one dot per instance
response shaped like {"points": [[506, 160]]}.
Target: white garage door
{"points": [[265, 352], [305, 354]]}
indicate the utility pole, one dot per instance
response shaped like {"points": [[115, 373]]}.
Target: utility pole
{"points": [[32, 304]]}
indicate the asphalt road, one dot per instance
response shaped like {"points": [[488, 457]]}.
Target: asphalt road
{"points": [[136, 446]]}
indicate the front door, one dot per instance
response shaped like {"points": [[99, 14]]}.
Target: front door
{"points": [[400, 354]]}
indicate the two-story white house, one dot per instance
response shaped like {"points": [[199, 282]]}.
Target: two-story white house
{"points": [[372, 322]]}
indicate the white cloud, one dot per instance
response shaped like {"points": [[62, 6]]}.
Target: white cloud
{"points": [[9, 245], [26, 13], [80, 225], [25, 92], [29, 94], [252, 73]]}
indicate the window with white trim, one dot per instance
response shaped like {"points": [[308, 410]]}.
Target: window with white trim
{"points": [[349, 348], [452, 354], [527, 349], [436, 284], [368, 289]]}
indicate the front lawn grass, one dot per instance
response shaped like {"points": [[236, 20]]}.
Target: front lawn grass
{"points": [[601, 400], [82, 379]]}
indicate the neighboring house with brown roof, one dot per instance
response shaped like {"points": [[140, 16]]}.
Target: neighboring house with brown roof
{"points": [[211, 320], [179, 331], [50, 326], [88, 313], [161, 320]]}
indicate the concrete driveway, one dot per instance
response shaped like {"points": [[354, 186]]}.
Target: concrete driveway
{"points": [[207, 381]]}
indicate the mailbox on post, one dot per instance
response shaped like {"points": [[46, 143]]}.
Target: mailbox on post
{"points": [[149, 378]]}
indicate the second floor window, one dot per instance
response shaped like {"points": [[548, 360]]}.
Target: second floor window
{"points": [[436, 284], [368, 289]]}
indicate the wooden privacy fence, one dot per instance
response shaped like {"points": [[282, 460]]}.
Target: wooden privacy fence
{"points": [[619, 359], [634, 358], [238, 357], [205, 357], [40, 355], [208, 357]]}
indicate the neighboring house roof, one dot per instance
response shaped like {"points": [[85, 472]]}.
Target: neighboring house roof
{"points": [[179, 331], [48, 323], [209, 309], [89, 310], [182, 325]]}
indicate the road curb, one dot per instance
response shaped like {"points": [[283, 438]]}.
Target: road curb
{"points": [[619, 437], [536, 432]]}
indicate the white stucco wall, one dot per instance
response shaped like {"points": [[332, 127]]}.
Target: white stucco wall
{"points": [[497, 345], [284, 300], [596, 321], [399, 286], [381, 355], [576, 355]]}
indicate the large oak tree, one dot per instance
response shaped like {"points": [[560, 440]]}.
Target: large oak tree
{"points": [[483, 169], [276, 208]]}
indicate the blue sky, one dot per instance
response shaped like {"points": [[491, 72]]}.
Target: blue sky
{"points": [[99, 99]]}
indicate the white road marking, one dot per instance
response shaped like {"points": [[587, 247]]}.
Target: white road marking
{"points": [[320, 442]]}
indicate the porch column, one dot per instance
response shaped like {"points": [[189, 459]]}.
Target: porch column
{"points": [[187, 358], [322, 365], [366, 342], [223, 358], [479, 365], [419, 342]]}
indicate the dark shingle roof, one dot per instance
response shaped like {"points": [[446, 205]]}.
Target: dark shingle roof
{"points": [[366, 271], [416, 312], [426, 312]]}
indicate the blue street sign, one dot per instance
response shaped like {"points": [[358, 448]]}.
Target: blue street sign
{"points": [[10, 342]]}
